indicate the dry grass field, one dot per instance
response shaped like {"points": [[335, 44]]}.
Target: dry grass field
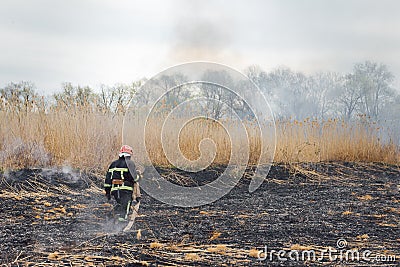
{"points": [[87, 138]]}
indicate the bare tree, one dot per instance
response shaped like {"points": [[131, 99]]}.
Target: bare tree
{"points": [[289, 93], [74, 96], [174, 92], [322, 93], [106, 98], [123, 96], [20, 96], [142, 96], [348, 97], [260, 78], [374, 81], [218, 92], [117, 98]]}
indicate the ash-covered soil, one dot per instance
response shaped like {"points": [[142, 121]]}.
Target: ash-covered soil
{"points": [[60, 218]]}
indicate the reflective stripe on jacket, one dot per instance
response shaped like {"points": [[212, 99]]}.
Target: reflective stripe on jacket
{"points": [[122, 170]]}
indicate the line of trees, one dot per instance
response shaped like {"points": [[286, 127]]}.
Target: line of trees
{"points": [[366, 92], [22, 97]]}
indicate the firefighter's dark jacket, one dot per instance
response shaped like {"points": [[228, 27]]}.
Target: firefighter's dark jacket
{"points": [[123, 171]]}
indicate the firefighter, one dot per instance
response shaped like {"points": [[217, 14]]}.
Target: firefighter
{"points": [[122, 182]]}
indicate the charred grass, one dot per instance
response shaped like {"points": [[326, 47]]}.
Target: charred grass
{"points": [[53, 218]]}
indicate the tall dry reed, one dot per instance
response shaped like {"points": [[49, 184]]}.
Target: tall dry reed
{"points": [[87, 138]]}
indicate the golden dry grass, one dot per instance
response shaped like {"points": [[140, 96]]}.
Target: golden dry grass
{"points": [[254, 253], [347, 212], [363, 237], [220, 249], [300, 247], [192, 257], [365, 198], [156, 245], [54, 256], [215, 235], [86, 138]]}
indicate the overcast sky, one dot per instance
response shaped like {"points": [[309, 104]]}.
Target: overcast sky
{"points": [[99, 41]]}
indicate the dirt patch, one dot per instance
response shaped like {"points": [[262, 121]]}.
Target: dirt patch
{"points": [[58, 217]]}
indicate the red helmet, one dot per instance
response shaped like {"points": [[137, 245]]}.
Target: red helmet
{"points": [[126, 149]]}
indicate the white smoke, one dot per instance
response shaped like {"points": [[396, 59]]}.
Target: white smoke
{"points": [[25, 153]]}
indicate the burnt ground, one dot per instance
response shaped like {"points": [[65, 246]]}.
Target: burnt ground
{"points": [[56, 218]]}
